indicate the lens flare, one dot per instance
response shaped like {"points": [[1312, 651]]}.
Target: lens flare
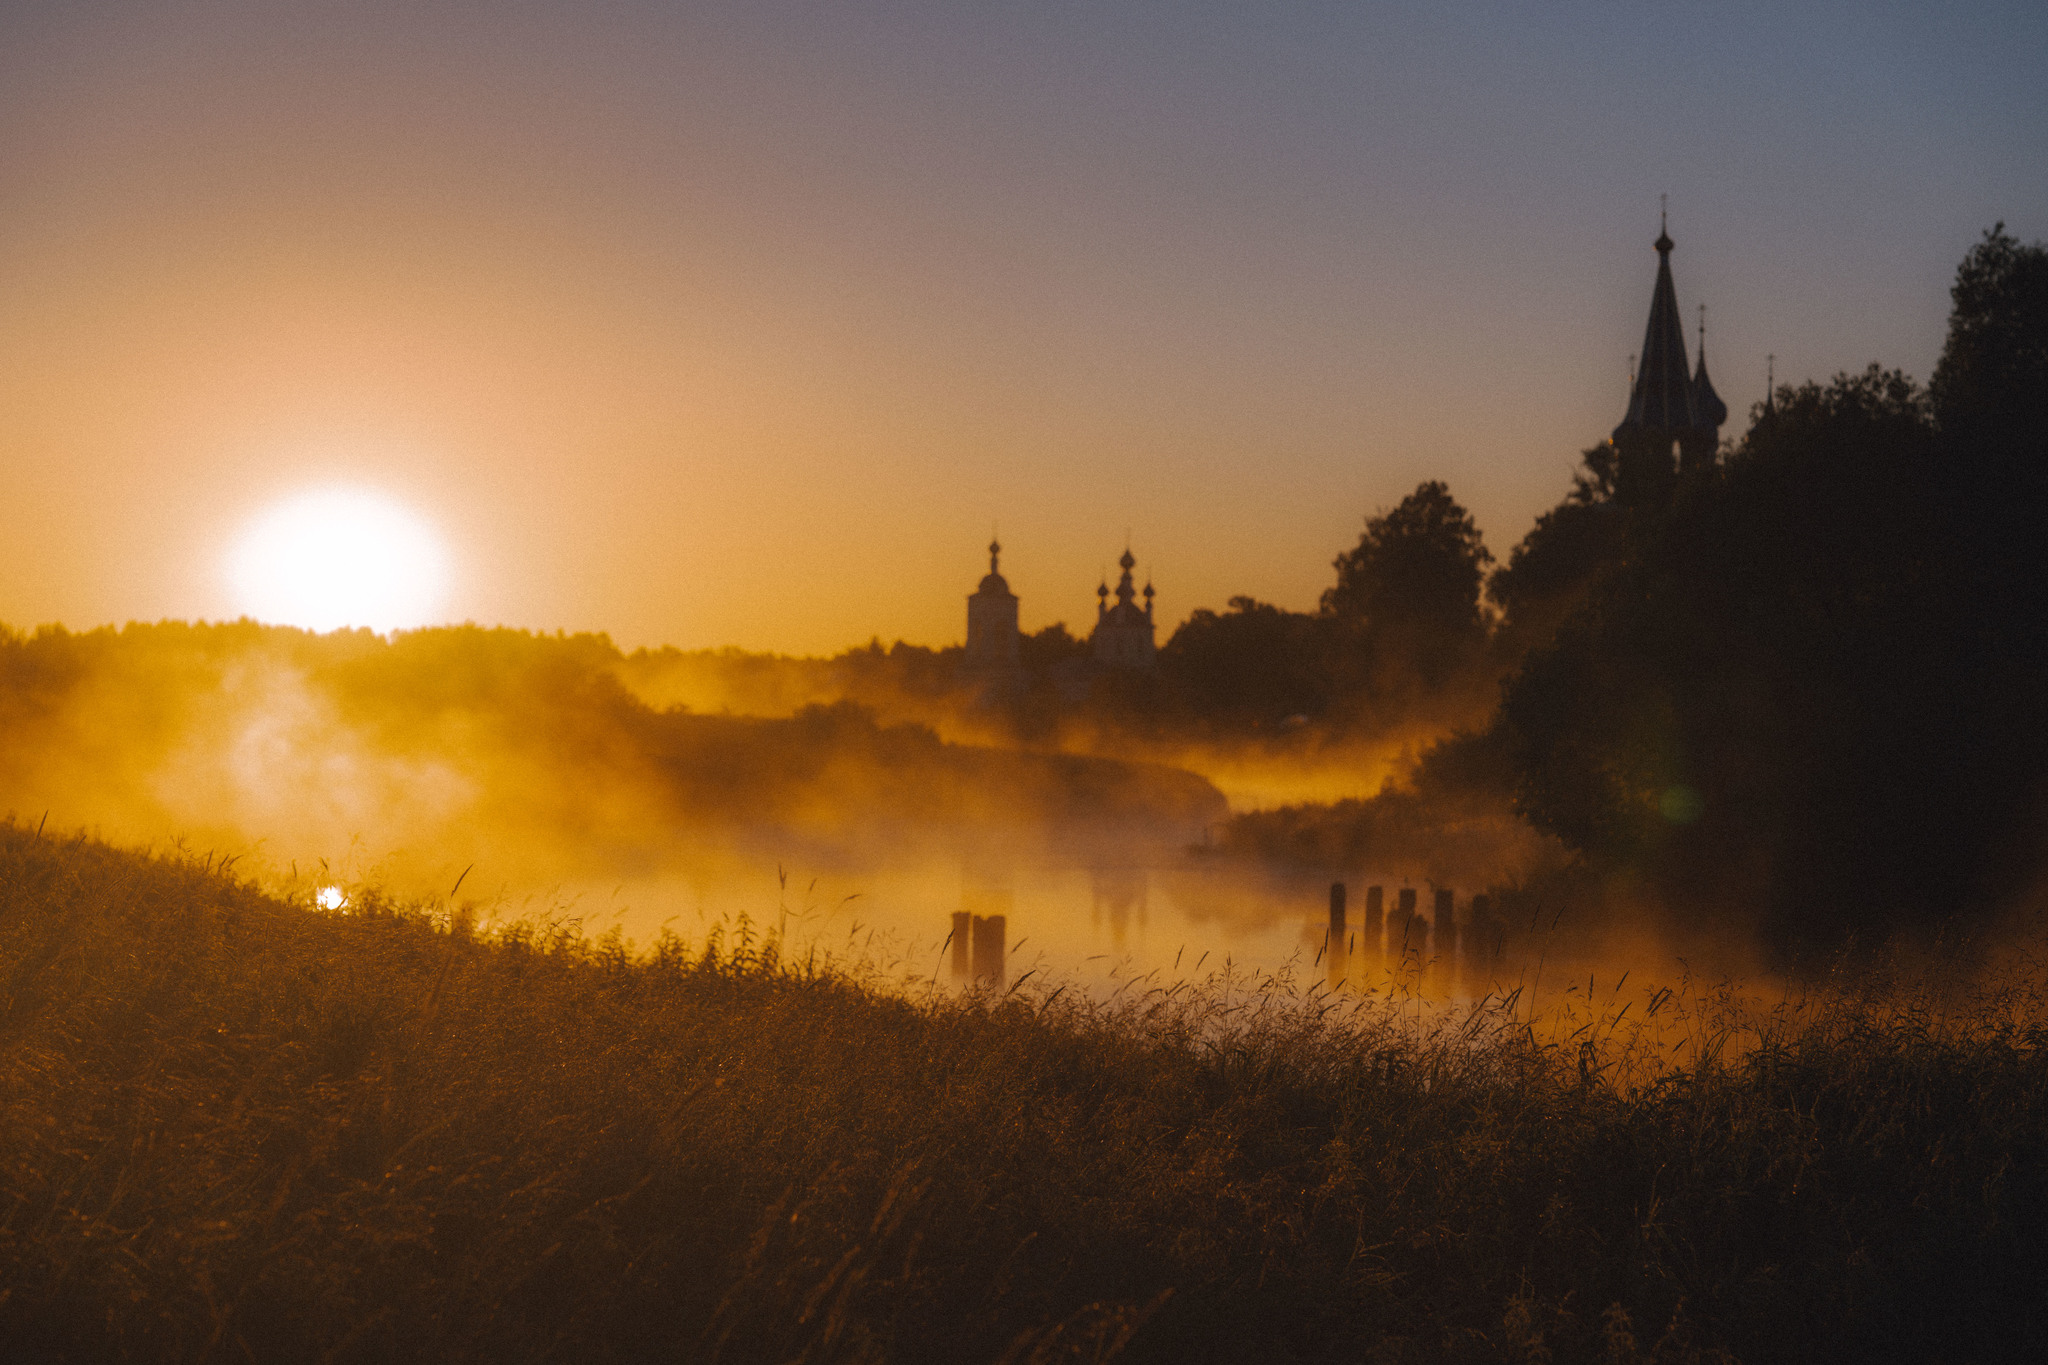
{"points": [[330, 558]]}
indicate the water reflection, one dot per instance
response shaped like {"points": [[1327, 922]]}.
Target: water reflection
{"points": [[1119, 893], [981, 924], [1456, 949], [1100, 921]]}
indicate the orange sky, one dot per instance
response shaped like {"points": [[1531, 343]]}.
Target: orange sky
{"points": [[743, 327]]}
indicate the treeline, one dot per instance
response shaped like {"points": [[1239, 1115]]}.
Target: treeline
{"points": [[525, 749], [1404, 634]]}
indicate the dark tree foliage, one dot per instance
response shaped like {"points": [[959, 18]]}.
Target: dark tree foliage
{"points": [[1813, 683], [915, 670], [1571, 546], [1423, 561], [1708, 690], [1050, 647], [1253, 663], [1411, 586], [1988, 389], [1990, 395], [1401, 630]]}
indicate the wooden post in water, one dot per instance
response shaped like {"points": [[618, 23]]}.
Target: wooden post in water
{"points": [[1374, 928], [1335, 952], [1401, 925], [988, 948], [1446, 925], [963, 944]]}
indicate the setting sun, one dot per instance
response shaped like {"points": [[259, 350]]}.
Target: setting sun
{"points": [[339, 557]]}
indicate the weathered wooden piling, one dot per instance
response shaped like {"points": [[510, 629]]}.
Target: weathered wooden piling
{"points": [[1334, 953], [1401, 924], [962, 944], [988, 948], [1446, 924]]}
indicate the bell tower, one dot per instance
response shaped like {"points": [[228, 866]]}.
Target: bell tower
{"points": [[1669, 408], [992, 622]]}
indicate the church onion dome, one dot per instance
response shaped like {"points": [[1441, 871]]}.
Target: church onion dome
{"points": [[994, 584], [1126, 611], [1662, 401]]}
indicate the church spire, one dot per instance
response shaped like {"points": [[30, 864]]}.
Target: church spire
{"points": [[1708, 411], [992, 651], [1662, 399]]}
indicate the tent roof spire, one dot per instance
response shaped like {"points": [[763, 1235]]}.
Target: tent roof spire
{"points": [[1707, 408], [1662, 399]]}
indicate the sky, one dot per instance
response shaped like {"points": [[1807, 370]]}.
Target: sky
{"points": [[744, 324]]}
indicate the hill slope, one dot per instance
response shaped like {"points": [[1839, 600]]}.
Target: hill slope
{"points": [[235, 1127]]}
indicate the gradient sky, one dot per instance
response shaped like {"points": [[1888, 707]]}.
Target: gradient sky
{"points": [[740, 324]]}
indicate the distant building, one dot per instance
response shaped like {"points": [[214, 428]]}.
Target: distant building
{"points": [[992, 627], [1670, 406], [1123, 633]]}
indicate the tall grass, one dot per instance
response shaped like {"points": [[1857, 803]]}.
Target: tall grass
{"points": [[232, 1127]]}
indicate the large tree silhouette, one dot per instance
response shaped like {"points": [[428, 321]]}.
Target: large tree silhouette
{"points": [[1410, 588]]}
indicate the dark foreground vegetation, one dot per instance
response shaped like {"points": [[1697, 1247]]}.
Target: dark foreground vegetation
{"points": [[235, 1128]]}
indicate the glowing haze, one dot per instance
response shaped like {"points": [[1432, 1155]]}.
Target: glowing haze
{"points": [[741, 323]]}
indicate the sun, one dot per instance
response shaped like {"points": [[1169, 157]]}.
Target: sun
{"points": [[335, 557]]}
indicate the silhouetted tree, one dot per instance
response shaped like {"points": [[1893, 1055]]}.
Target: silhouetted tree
{"points": [[1990, 395], [1044, 649], [1574, 544], [1410, 588], [1254, 663], [1988, 389]]}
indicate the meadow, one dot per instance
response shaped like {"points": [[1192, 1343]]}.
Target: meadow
{"points": [[235, 1127]]}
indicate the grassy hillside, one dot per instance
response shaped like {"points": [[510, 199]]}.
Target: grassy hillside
{"points": [[234, 1128]]}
